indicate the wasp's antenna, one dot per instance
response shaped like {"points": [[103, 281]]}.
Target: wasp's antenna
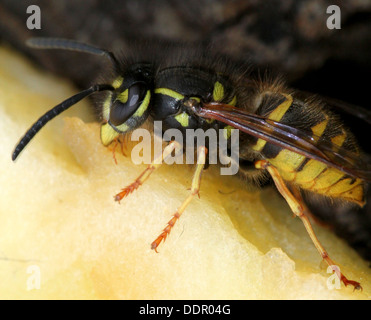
{"points": [[43, 120], [66, 44]]}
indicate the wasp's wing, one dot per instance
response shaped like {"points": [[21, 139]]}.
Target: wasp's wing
{"points": [[349, 161], [290, 138]]}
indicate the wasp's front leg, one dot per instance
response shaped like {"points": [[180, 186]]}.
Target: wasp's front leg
{"points": [[156, 163], [122, 141]]}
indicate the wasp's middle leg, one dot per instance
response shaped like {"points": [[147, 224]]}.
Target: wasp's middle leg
{"points": [[196, 181]]}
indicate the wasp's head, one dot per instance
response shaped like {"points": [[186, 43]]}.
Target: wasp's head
{"points": [[127, 106]]}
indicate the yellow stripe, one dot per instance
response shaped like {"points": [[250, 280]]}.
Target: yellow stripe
{"points": [[318, 177], [107, 106], [342, 185], [275, 115], [328, 178], [144, 106], [355, 195], [218, 93], [123, 96], [123, 127], [319, 128], [183, 119], [259, 145], [107, 134], [227, 132], [339, 140], [288, 162], [117, 82], [310, 171], [170, 93], [233, 102], [280, 111]]}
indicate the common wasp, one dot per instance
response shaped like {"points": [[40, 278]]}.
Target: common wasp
{"points": [[298, 142]]}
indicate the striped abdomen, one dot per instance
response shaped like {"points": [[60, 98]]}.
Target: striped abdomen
{"points": [[307, 173]]}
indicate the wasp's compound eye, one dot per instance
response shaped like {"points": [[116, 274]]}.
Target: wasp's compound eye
{"points": [[127, 103]]}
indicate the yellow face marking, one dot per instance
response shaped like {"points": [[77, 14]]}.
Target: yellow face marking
{"points": [[107, 134], [319, 128], [123, 96], [275, 115], [117, 82], [170, 93], [143, 107], [183, 119], [123, 127], [218, 93], [107, 106]]}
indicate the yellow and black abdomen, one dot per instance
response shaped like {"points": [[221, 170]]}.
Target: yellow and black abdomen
{"points": [[309, 174]]}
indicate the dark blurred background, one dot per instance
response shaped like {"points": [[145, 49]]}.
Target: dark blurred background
{"points": [[288, 37]]}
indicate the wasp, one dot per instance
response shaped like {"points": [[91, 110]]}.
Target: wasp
{"points": [[299, 143]]}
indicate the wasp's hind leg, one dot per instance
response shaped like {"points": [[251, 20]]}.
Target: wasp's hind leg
{"points": [[156, 163], [196, 181], [317, 221], [298, 209]]}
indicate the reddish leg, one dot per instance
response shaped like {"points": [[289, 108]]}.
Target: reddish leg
{"points": [[298, 209], [194, 191], [156, 163]]}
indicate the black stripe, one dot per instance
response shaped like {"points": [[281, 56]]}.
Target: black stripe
{"points": [[270, 151], [302, 165], [269, 103], [299, 116]]}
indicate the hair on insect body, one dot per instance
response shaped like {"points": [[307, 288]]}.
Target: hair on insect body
{"points": [[298, 142]]}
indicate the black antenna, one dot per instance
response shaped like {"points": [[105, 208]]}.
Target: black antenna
{"points": [[72, 45], [43, 120]]}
